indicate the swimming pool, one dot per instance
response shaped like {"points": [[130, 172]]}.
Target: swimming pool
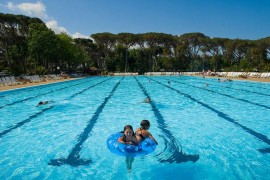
{"points": [[214, 131]]}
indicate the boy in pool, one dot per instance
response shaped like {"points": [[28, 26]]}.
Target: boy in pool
{"points": [[142, 132], [129, 136]]}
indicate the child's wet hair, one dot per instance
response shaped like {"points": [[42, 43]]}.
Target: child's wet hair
{"points": [[145, 123], [129, 127]]}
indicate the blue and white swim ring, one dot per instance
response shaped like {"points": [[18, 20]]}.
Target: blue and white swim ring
{"points": [[145, 147]]}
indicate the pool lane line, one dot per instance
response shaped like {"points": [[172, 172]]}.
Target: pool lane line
{"points": [[37, 87], [173, 144], [244, 100], [252, 86], [227, 87], [259, 93], [264, 150], [21, 123], [257, 87], [73, 159], [197, 78], [15, 102], [260, 136]]}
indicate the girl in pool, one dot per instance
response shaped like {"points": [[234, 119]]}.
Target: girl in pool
{"points": [[142, 132], [129, 136]]}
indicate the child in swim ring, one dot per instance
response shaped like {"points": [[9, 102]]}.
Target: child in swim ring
{"points": [[129, 136], [142, 132]]}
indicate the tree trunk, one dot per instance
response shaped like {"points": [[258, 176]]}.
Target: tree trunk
{"points": [[126, 61]]}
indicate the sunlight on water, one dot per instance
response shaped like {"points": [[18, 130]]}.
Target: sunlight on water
{"points": [[219, 131]]}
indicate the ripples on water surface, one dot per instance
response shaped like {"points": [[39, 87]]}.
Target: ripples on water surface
{"points": [[220, 131]]}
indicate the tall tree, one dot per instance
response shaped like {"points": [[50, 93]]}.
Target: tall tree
{"points": [[42, 43], [14, 30], [265, 43], [67, 52], [241, 48], [127, 40], [214, 46], [194, 43], [106, 42], [90, 49]]}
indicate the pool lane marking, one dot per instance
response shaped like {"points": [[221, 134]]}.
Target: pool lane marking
{"points": [[37, 87], [39, 94], [177, 155], [252, 86], [227, 87], [259, 93], [21, 123], [264, 150], [244, 100], [260, 136], [15, 102], [73, 159], [240, 84]]}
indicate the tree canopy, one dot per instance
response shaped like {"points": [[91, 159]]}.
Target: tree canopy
{"points": [[27, 46]]}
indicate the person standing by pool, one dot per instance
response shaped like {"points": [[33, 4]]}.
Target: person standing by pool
{"points": [[142, 132]]}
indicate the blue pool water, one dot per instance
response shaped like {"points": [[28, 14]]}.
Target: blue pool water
{"points": [[219, 131]]}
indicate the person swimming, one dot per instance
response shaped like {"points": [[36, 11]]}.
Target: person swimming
{"points": [[42, 103], [147, 100]]}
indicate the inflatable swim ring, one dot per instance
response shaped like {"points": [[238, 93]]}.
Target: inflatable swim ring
{"points": [[145, 147]]}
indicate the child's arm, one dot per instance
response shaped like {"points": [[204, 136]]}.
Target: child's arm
{"points": [[121, 140], [135, 140], [150, 135]]}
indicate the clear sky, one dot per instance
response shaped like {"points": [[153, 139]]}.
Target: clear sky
{"points": [[244, 19]]}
